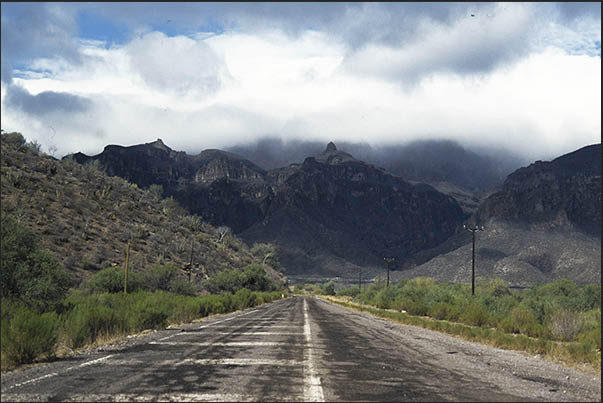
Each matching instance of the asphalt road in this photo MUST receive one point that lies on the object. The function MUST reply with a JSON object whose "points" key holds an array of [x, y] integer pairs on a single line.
{"points": [[298, 349]]}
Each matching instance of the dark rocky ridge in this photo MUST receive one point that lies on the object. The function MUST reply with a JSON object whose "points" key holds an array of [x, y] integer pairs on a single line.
{"points": [[560, 193], [544, 225], [330, 214]]}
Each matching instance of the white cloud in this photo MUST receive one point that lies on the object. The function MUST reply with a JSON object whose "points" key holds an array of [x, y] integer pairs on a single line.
{"points": [[214, 91]]}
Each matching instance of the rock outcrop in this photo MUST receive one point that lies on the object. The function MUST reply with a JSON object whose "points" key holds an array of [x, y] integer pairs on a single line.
{"points": [[565, 192], [332, 214]]}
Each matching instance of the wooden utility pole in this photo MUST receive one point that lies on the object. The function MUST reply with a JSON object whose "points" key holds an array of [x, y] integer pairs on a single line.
{"points": [[473, 230], [126, 269], [190, 266], [360, 280], [388, 260]]}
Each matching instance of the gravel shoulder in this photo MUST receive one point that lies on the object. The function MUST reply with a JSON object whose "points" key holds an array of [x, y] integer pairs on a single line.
{"points": [[529, 376]]}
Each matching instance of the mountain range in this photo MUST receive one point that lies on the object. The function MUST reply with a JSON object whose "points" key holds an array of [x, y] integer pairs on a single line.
{"points": [[332, 215]]}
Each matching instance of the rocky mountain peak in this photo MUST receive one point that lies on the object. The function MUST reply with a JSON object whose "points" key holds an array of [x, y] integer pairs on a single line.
{"points": [[160, 145], [333, 156]]}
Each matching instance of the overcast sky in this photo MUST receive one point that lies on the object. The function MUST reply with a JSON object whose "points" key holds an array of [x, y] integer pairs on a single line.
{"points": [[520, 76]]}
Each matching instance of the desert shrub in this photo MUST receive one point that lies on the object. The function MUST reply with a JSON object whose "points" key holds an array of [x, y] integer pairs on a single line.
{"points": [[253, 277], [475, 314], [329, 288], [158, 277], [26, 272], [590, 297], [13, 139], [349, 292], [211, 304], [497, 288], [111, 280], [244, 298], [385, 297], [90, 320], [417, 288], [225, 281], [418, 308], [28, 335], [182, 287], [443, 310], [564, 325], [522, 320], [256, 278]]}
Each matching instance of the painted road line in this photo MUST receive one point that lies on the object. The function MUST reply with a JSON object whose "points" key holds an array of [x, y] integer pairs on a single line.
{"points": [[224, 344], [212, 361], [211, 324], [312, 387], [143, 397], [240, 361], [57, 373], [32, 381], [255, 333], [251, 327]]}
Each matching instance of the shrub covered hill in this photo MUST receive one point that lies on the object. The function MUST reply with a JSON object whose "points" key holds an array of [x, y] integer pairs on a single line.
{"points": [[543, 225], [329, 216], [86, 219]]}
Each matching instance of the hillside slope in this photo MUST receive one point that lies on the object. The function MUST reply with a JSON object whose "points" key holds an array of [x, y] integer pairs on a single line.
{"points": [[86, 218]]}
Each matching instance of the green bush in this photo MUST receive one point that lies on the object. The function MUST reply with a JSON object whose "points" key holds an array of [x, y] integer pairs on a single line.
{"points": [[13, 139], [158, 277], [28, 335], [475, 314], [385, 298], [182, 287], [444, 311], [225, 281], [244, 298], [329, 288], [349, 292], [111, 280], [86, 322], [592, 337], [26, 272], [253, 277]]}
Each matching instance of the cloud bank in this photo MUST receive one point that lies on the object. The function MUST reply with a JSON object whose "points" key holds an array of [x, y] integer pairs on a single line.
{"points": [[520, 76]]}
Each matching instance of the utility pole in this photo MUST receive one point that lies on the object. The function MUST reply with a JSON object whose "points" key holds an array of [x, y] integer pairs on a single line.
{"points": [[388, 260], [190, 267], [473, 230], [126, 268], [360, 279]]}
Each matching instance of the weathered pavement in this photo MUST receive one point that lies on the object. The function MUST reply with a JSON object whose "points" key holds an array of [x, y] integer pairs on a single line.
{"points": [[300, 349]]}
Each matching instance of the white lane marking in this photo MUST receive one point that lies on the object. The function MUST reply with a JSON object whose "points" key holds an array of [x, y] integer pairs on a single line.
{"points": [[226, 344], [251, 327], [56, 373], [211, 324], [239, 361], [143, 397], [312, 387], [92, 362], [212, 361], [254, 333], [32, 380]]}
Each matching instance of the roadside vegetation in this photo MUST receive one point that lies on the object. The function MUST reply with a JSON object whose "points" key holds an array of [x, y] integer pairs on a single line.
{"points": [[64, 230], [560, 320]]}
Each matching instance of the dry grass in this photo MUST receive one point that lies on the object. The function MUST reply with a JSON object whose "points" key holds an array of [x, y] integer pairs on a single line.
{"points": [[552, 351]]}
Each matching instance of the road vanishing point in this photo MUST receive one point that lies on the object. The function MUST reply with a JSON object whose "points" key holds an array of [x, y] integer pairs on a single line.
{"points": [[299, 349]]}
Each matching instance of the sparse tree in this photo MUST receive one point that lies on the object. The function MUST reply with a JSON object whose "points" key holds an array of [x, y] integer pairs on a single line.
{"points": [[222, 232]]}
